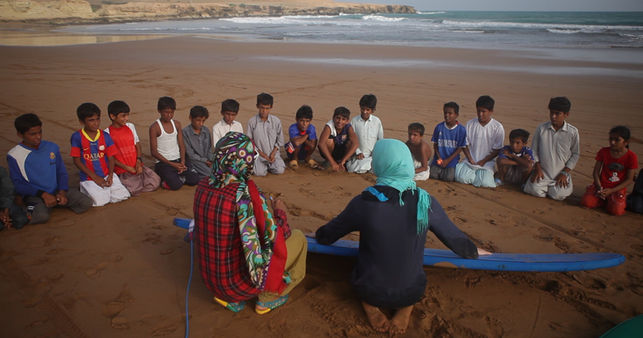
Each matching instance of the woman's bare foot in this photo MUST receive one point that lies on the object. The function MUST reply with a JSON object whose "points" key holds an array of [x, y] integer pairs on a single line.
{"points": [[378, 320], [400, 320]]}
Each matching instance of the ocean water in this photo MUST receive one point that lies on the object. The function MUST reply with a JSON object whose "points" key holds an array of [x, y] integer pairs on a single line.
{"points": [[506, 30], [612, 41]]}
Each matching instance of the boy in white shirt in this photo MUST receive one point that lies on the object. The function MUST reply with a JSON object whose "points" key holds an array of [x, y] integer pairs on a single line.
{"points": [[229, 111], [368, 128], [485, 138]]}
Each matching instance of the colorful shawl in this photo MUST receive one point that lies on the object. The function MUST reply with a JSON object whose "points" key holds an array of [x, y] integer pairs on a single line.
{"points": [[393, 166], [262, 241]]}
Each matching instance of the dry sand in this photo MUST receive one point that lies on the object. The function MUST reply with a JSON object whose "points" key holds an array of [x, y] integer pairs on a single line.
{"points": [[121, 270]]}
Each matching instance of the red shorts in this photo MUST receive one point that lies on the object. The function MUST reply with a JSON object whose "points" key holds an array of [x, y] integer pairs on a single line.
{"points": [[614, 203]]}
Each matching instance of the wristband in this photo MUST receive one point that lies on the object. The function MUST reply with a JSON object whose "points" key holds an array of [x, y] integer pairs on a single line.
{"points": [[565, 173]]}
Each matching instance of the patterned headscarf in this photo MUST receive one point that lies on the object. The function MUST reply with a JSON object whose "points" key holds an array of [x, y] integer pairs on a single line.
{"points": [[393, 166], [234, 159]]}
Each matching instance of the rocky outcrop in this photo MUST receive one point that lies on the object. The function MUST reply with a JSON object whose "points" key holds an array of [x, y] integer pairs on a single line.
{"points": [[80, 11], [21, 10]]}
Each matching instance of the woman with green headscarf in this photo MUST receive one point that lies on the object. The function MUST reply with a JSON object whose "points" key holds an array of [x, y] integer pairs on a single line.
{"points": [[245, 251], [393, 218]]}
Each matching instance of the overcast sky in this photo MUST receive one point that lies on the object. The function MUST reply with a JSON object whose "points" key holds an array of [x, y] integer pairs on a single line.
{"points": [[518, 5]]}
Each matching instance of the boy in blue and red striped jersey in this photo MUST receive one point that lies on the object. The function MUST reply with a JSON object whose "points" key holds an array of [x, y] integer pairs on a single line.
{"points": [[93, 153]]}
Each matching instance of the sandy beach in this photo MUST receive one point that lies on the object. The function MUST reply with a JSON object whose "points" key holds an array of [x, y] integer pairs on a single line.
{"points": [[121, 270]]}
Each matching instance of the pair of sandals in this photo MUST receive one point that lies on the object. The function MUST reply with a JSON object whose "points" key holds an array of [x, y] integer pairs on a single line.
{"points": [[311, 163], [261, 308]]}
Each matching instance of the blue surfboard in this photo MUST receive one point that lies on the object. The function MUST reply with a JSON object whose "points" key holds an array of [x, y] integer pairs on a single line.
{"points": [[496, 261]]}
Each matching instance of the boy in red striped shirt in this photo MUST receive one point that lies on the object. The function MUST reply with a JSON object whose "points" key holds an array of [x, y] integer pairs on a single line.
{"points": [[93, 154]]}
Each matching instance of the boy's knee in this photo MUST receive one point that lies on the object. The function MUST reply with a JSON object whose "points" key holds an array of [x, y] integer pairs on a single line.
{"points": [[174, 184], [40, 215], [534, 189], [558, 195], [260, 171], [635, 203], [18, 217], [192, 178]]}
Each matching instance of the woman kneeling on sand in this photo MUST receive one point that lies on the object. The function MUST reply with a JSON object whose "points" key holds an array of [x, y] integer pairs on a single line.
{"points": [[245, 251], [393, 218]]}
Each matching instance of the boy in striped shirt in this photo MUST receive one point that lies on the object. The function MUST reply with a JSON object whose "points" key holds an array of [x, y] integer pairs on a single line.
{"points": [[93, 154]]}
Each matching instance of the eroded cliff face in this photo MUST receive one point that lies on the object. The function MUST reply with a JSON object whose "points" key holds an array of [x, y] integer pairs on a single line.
{"points": [[21, 10], [81, 11]]}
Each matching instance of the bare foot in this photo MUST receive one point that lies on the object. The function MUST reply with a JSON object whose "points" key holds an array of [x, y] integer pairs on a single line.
{"points": [[378, 320], [400, 320]]}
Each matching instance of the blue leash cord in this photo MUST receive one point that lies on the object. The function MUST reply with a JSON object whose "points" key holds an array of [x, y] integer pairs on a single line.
{"points": [[187, 291]]}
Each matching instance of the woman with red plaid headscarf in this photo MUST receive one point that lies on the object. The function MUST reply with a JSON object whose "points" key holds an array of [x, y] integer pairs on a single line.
{"points": [[244, 249]]}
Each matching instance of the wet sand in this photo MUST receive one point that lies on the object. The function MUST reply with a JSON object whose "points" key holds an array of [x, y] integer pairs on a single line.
{"points": [[121, 270]]}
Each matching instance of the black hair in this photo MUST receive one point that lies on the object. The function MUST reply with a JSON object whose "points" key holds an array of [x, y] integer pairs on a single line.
{"points": [[25, 122], [265, 99], [521, 133], [86, 110], [416, 126], [117, 107], [621, 131], [166, 102], [230, 105], [199, 111], [453, 105], [560, 103], [485, 101], [342, 111], [304, 112], [368, 101]]}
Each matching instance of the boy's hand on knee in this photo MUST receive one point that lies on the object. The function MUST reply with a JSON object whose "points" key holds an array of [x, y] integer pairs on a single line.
{"points": [[538, 175], [561, 181], [5, 217], [61, 198], [101, 182], [49, 199]]}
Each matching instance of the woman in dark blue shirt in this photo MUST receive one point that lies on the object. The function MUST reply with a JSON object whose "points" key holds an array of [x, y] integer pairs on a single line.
{"points": [[393, 218]]}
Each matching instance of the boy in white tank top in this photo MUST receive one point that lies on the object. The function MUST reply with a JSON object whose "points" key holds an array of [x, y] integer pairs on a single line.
{"points": [[168, 149]]}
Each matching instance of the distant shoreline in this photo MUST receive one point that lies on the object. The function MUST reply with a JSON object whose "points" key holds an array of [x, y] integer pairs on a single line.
{"points": [[81, 12]]}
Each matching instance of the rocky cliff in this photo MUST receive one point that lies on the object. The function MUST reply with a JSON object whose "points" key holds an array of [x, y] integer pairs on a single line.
{"points": [[81, 11]]}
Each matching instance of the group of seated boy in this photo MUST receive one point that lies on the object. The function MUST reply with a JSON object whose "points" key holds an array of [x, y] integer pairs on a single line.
{"points": [[111, 168]]}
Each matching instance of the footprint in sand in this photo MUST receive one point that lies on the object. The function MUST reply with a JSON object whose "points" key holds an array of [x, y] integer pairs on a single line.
{"points": [[95, 271], [172, 211], [494, 327], [166, 251], [164, 330], [120, 323], [152, 237], [50, 240]]}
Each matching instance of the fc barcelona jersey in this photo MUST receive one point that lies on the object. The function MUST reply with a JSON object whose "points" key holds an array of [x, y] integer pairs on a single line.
{"points": [[92, 152]]}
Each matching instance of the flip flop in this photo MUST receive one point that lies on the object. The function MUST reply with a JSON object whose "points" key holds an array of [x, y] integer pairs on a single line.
{"points": [[269, 306], [234, 307], [293, 164]]}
